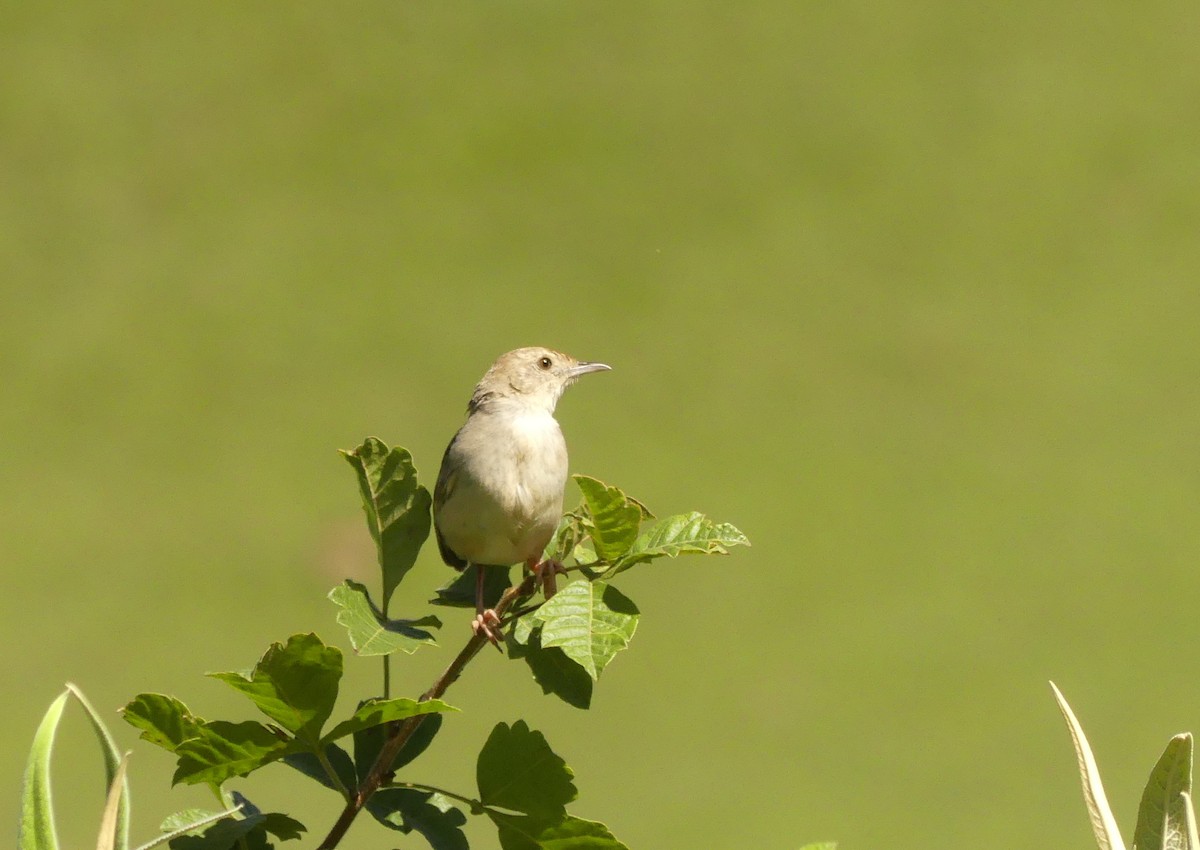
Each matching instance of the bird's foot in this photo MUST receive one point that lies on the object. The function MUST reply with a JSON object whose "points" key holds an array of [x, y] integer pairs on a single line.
{"points": [[487, 623], [546, 573]]}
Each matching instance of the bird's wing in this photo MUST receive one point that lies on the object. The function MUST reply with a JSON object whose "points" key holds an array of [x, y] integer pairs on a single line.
{"points": [[442, 491]]}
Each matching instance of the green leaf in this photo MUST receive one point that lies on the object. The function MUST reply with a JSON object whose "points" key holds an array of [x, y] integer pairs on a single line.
{"points": [[164, 720], [222, 750], [553, 670], [188, 821], [368, 742], [1162, 816], [1104, 824], [459, 592], [431, 815], [370, 632], [295, 684], [378, 712], [615, 517], [518, 771], [113, 761], [36, 829], [397, 507], [249, 831], [310, 765], [691, 533], [110, 837], [590, 621], [518, 832]]}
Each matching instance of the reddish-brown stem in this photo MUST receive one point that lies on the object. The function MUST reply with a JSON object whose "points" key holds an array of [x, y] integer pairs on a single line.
{"points": [[401, 731]]}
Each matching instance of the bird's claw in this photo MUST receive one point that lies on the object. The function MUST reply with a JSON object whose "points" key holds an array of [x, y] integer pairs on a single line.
{"points": [[545, 574], [487, 624]]}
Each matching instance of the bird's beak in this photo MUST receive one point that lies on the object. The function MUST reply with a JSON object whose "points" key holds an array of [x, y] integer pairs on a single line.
{"points": [[584, 368]]}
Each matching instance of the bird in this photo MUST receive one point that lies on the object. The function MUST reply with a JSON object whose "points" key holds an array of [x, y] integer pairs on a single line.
{"points": [[499, 493]]}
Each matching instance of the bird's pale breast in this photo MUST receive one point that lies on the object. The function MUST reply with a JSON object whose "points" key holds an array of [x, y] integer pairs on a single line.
{"points": [[505, 498]]}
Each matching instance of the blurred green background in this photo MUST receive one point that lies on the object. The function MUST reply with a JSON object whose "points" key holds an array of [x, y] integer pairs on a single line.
{"points": [[907, 291]]}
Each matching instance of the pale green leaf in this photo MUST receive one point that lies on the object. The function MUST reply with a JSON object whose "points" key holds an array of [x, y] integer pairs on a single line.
{"points": [[36, 829], [110, 817], [370, 632], [1104, 824], [1162, 815], [590, 621], [615, 518], [379, 712], [187, 822], [294, 683], [397, 507], [113, 760], [518, 771], [691, 533]]}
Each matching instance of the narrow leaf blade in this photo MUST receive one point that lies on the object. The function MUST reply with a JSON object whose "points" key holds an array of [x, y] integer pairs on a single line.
{"points": [[1104, 824], [110, 819], [113, 765], [36, 830]]}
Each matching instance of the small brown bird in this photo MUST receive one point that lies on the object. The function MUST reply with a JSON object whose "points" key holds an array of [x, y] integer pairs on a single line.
{"points": [[499, 493]]}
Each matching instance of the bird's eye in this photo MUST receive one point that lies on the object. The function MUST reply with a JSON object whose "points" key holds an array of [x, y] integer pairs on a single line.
{"points": [[545, 363]]}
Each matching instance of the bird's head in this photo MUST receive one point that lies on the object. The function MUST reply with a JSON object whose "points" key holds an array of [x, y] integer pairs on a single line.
{"points": [[532, 377]]}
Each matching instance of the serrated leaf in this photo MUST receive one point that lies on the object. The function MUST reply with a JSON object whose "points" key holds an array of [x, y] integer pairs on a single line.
{"points": [[590, 621], [309, 764], [397, 507], [615, 518], [379, 712], [691, 533], [294, 683], [370, 632], [517, 832], [518, 771], [164, 720], [36, 829], [222, 750], [1104, 825], [553, 670], [431, 815], [368, 742], [1162, 815], [459, 592]]}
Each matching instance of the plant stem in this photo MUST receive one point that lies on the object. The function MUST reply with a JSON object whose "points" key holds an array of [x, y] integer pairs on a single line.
{"points": [[400, 731], [476, 805]]}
